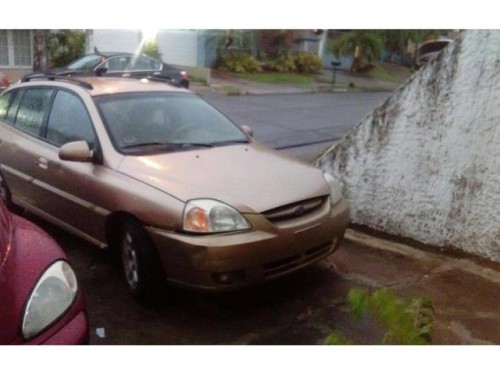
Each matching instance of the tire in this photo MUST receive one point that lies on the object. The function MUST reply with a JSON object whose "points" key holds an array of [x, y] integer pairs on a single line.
{"points": [[141, 263], [4, 192], [6, 196]]}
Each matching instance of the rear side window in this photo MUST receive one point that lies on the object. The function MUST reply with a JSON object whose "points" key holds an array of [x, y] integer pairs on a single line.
{"points": [[4, 104], [69, 120], [33, 108]]}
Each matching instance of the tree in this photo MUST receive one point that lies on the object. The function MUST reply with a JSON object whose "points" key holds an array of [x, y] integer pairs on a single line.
{"points": [[40, 52], [396, 41], [363, 45], [273, 42], [150, 48], [65, 46]]}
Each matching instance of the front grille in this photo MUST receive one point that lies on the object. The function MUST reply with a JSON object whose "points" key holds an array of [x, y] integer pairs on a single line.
{"points": [[283, 266], [294, 210]]}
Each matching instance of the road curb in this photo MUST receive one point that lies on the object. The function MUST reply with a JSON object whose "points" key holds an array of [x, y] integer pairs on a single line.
{"points": [[469, 265]]}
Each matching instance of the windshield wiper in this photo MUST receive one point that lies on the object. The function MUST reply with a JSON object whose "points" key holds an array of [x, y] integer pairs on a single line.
{"points": [[192, 144], [231, 142], [150, 144]]}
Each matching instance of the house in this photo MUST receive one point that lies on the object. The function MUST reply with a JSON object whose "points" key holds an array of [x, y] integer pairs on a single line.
{"points": [[16, 52], [194, 50]]}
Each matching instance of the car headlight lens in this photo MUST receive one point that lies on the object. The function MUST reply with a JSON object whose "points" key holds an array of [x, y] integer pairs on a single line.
{"points": [[209, 216], [335, 187], [53, 295]]}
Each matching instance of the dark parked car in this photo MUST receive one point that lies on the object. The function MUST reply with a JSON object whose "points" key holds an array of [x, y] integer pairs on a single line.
{"points": [[121, 64], [40, 299]]}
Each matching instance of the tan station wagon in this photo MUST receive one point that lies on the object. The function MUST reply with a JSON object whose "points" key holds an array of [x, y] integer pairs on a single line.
{"points": [[155, 171]]}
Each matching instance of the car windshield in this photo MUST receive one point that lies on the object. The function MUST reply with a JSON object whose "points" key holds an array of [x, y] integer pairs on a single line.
{"points": [[142, 123], [86, 62]]}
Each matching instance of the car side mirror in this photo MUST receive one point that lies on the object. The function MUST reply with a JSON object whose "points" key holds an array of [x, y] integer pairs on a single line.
{"points": [[76, 151], [248, 130], [101, 71]]}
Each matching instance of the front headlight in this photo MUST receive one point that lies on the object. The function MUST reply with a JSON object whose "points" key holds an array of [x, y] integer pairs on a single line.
{"points": [[335, 187], [53, 295], [210, 216]]}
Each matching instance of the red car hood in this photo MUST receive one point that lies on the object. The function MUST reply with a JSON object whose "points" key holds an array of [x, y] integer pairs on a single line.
{"points": [[250, 177], [24, 258]]}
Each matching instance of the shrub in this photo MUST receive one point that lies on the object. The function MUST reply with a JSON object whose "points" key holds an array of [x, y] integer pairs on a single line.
{"points": [[238, 63], [308, 63], [406, 321], [65, 46], [284, 64], [150, 48]]}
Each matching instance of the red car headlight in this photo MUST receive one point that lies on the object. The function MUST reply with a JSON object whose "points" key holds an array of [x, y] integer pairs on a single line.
{"points": [[53, 294]]}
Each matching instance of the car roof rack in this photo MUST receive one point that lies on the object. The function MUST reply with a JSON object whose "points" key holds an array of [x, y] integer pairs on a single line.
{"points": [[53, 77]]}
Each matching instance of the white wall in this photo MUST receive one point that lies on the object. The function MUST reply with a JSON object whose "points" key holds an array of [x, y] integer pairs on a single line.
{"points": [[426, 164], [118, 40], [179, 47]]}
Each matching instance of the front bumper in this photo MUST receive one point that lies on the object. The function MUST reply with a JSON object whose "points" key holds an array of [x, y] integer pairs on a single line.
{"points": [[223, 262]]}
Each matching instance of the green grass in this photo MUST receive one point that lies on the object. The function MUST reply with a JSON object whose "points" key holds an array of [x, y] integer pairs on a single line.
{"points": [[277, 78], [379, 72]]}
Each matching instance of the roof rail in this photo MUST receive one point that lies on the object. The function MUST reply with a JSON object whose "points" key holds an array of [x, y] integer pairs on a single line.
{"points": [[53, 77]]}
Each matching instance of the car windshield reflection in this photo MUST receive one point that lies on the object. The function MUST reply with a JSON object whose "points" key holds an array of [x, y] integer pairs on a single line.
{"points": [[141, 123]]}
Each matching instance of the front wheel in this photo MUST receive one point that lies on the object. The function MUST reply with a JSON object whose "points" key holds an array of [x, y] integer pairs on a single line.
{"points": [[141, 263]]}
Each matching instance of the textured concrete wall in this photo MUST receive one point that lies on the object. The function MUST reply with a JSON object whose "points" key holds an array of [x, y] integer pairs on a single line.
{"points": [[426, 163]]}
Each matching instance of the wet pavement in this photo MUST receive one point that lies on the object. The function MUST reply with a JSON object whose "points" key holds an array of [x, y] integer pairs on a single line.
{"points": [[301, 309]]}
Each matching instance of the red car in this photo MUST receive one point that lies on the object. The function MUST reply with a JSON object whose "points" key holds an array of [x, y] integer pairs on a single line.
{"points": [[4, 81], [40, 299]]}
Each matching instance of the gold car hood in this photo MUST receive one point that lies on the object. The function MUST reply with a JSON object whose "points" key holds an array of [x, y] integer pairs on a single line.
{"points": [[249, 177]]}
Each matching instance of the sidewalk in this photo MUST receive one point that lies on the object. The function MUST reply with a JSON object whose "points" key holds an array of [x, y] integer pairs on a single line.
{"points": [[464, 289], [344, 82]]}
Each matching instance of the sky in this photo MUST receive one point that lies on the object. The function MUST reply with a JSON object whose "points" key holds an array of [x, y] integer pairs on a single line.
{"points": [[253, 14]]}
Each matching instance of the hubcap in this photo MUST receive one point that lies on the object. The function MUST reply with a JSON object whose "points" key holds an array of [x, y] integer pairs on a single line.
{"points": [[129, 258]]}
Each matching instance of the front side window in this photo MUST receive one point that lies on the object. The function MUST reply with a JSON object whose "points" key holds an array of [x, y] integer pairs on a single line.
{"points": [[69, 121], [33, 108]]}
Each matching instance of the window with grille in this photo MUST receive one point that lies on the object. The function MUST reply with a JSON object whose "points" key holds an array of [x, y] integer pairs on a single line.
{"points": [[22, 47], [4, 49]]}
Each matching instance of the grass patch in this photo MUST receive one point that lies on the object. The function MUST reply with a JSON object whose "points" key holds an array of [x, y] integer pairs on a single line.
{"points": [[378, 72], [277, 78]]}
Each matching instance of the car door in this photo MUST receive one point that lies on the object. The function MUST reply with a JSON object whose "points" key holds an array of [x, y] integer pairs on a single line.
{"points": [[143, 66], [38, 122], [21, 140], [115, 66], [70, 188]]}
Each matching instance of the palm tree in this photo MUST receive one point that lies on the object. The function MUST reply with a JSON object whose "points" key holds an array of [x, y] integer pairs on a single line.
{"points": [[363, 45], [40, 52]]}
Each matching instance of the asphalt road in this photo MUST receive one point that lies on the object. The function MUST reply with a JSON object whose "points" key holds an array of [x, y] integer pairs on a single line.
{"points": [[299, 124]]}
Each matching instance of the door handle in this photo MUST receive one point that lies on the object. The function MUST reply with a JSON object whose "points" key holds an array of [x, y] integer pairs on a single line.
{"points": [[43, 163]]}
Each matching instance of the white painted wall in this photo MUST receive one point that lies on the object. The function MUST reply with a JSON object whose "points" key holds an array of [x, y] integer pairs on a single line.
{"points": [[426, 164], [116, 40], [179, 47]]}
